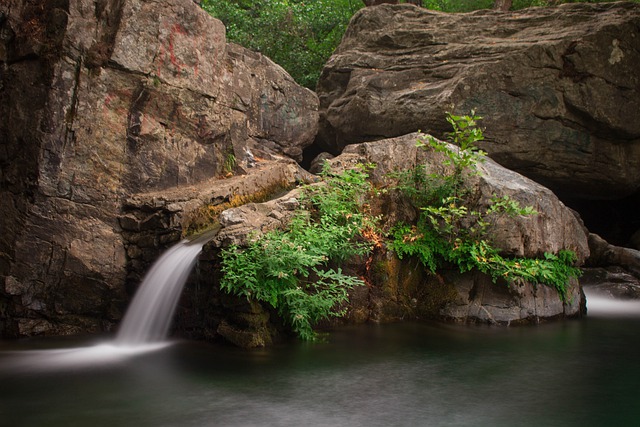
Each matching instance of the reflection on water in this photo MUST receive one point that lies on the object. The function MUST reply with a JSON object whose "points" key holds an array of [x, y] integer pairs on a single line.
{"points": [[573, 373]]}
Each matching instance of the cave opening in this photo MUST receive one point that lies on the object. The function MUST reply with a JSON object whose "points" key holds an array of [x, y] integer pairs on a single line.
{"points": [[617, 221]]}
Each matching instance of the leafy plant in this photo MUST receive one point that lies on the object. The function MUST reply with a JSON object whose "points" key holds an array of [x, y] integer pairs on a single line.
{"points": [[448, 231], [293, 270], [229, 164]]}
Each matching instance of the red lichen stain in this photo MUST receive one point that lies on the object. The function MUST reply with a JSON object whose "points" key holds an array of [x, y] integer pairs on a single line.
{"points": [[168, 48], [107, 100], [175, 29]]}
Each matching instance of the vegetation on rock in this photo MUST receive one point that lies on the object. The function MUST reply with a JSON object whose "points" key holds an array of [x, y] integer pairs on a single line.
{"points": [[297, 271], [448, 230], [293, 270]]}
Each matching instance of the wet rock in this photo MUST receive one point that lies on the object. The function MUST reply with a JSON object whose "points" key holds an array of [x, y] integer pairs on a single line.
{"points": [[613, 282], [104, 102], [479, 300]]}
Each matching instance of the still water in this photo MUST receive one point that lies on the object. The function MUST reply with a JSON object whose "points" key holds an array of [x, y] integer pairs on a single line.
{"points": [[572, 373]]}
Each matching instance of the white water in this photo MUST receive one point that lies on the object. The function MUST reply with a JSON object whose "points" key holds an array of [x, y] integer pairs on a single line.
{"points": [[145, 324], [603, 305], [75, 358], [149, 316]]}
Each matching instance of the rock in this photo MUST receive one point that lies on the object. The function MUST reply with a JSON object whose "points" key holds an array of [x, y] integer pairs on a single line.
{"points": [[318, 162], [243, 338], [102, 103], [558, 87], [403, 289], [613, 282], [604, 254], [252, 220], [479, 300], [247, 326], [473, 297], [554, 228]]}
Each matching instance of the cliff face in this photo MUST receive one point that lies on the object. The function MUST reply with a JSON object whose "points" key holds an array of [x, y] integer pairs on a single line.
{"points": [[103, 100], [125, 122], [558, 88]]}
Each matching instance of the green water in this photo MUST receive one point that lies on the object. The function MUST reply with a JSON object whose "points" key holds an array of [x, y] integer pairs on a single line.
{"points": [[572, 373]]}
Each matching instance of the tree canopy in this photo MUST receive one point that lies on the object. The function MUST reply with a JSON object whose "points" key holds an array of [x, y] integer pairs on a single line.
{"points": [[301, 35], [298, 35]]}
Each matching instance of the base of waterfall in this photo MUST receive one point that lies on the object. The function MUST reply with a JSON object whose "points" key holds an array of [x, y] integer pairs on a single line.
{"points": [[98, 355]]}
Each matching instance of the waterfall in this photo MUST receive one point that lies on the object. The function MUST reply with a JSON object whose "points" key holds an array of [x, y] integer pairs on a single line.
{"points": [[145, 324], [149, 315]]}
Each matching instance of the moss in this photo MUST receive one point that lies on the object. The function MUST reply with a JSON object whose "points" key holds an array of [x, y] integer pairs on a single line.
{"points": [[206, 216], [434, 295]]}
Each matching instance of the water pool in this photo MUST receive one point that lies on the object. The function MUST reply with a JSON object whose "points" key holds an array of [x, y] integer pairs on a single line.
{"points": [[572, 373]]}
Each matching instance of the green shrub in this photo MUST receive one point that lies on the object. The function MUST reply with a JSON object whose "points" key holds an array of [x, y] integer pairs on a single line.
{"points": [[448, 231], [292, 270]]}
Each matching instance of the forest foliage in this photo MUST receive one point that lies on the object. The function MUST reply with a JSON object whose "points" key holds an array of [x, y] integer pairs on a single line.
{"points": [[301, 35]]}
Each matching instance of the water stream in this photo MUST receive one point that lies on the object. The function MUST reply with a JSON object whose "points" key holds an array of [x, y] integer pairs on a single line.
{"points": [[578, 373], [146, 322], [149, 315]]}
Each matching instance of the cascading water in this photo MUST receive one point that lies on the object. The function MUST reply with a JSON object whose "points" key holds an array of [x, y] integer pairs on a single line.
{"points": [[149, 316], [146, 322]]}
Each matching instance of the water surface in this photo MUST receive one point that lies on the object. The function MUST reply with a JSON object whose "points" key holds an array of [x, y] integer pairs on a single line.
{"points": [[572, 373]]}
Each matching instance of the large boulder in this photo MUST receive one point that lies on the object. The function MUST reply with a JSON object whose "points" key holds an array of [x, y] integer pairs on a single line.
{"points": [[101, 101], [558, 87], [472, 297], [403, 289]]}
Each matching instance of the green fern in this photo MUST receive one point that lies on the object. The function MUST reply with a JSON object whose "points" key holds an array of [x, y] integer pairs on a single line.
{"points": [[291, 269]]}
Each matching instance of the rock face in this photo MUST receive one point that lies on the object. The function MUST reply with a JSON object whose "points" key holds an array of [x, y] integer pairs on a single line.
{"points": [[558, 87], [604, 254], [402, 289], [101, 101], [613, 282]]}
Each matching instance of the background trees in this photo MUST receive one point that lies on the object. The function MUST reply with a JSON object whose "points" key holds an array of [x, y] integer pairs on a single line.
{"points": [[300, 35]]}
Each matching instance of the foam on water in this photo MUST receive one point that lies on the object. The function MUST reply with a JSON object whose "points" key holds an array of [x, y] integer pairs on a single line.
{"points": [[603, 305]]}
